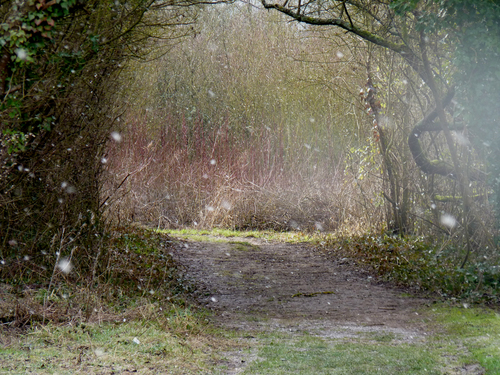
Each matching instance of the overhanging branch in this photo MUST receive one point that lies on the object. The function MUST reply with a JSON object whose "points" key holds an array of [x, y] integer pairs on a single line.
{"points": [[423, 162], [400, 48]]}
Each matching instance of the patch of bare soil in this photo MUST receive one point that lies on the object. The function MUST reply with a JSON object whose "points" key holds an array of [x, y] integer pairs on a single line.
{"points": [[292, 282], [295, 288]]}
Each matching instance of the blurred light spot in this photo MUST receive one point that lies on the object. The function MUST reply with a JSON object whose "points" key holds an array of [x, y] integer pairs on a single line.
{"points": [[65, 265], [12, 242], [70, 189], [211, 93], [213, 299], [460, 138], [117, 137], [226, 205], [210, 208], [21, 53], [136, 341], [319, 226], [339, 54], [448, 221], [213, 162]]}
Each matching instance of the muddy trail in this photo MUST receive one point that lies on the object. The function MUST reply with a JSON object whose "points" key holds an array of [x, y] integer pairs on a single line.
{"points": [[252, 283]]}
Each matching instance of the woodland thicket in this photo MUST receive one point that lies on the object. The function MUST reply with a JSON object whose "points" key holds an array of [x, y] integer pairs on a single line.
{"points": [[62, 64], [376, 117]]}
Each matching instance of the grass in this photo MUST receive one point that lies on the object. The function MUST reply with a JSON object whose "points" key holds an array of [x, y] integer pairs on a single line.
{"points": [[243, 246], [462, 338], [182, 341], [131, 329], [478, 329], [222, 235], [176, 342], [135, 316], [314, 355]]}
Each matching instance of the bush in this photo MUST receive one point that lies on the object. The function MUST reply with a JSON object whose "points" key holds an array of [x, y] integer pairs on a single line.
{"points": [[421, 265]]}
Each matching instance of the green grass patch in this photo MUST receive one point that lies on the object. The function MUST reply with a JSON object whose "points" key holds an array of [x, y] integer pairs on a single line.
{"points": [[222, 235], [132, 317], [243, 246], [313, 355], [478, 329], [174, 342]]}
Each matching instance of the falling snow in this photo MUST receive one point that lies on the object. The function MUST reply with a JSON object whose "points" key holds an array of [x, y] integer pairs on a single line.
{"points": [[448, 221], [65, 265], [117, 137], [21, 54], [226, 205]]}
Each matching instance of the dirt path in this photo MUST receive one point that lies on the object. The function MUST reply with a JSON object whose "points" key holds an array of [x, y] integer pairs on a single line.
{"points": [[295, 285], [258, 286]]}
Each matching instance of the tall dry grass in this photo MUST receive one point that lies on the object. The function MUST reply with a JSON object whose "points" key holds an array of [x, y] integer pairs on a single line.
{"points": [[190, 173]]}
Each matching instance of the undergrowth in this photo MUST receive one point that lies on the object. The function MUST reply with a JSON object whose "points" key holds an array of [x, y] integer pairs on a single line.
{"points": [[420, 264], [134, 314], [135, 269]]}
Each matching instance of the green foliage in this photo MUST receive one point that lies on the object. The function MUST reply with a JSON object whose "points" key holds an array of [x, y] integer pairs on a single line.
{"points": [[139, 263], [364, 158], [420, 264], [15, 141]]}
